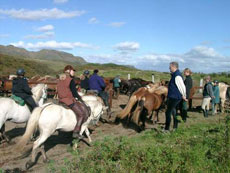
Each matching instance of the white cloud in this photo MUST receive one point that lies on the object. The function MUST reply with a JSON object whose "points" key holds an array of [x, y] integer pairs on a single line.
{"points": [[45, 28], [93, 20], [60, 1], [42, 14], [127, 46], [198, 59], [45, 35], [54, 45], [117, 24]]}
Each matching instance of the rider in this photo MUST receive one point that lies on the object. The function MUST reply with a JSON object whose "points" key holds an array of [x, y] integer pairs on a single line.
{"points": [[67, 94], [85, 81], [22, 89], [97, 83]]}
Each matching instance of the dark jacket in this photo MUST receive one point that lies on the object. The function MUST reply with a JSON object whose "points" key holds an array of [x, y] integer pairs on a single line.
{"points": [[85, 83], [188, 85], [208, 90], [21, 88], [173, 91], [96, 82]]}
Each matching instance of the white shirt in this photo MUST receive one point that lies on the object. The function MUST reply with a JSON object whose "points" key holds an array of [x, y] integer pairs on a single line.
{"points": [[180, 85]]}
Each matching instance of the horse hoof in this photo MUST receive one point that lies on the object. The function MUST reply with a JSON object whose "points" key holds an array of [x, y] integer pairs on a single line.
{"points": [[46, 160], [29, 164]]}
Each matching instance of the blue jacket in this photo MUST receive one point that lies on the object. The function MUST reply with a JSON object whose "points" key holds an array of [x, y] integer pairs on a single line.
{"points": [[116, 82], [173, 91], [96, 83], [216, 92]]}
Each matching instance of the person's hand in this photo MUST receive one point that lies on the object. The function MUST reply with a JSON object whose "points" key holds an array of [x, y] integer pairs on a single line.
{"points": [[184, 98]]}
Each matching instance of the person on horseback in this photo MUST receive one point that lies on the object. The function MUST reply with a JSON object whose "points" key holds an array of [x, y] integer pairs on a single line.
{"points": [[85, 81], [21, 89], [98, 84], [67, 94]]}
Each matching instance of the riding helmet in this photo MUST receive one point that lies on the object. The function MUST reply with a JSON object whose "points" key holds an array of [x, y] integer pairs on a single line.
{"points": [[86, 72], [20, 72]]}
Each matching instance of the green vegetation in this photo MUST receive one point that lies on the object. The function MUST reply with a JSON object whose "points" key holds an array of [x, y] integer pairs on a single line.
{"points": [[9, 65], [203, 147]]}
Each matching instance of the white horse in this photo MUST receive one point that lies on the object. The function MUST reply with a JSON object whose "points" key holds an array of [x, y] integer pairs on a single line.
{"points": [[10, 110], [223, 91], [51, 117]]}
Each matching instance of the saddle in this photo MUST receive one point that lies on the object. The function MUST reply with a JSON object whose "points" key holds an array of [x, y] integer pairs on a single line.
{"points": [[63, 105], [18, 100]]}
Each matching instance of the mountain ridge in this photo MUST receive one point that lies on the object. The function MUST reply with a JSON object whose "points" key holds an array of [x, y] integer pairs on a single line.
{"points": [[44, 54]]}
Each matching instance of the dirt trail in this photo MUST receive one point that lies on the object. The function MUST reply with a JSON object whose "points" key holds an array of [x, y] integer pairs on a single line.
{"points": [[57, 145]]}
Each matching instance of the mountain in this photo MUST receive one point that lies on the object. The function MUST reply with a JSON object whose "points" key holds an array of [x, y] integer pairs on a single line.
{"points": [[44, 54]]}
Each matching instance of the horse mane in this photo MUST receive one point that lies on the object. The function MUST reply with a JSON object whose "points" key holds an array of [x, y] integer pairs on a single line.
{"points": [[37, 91]]}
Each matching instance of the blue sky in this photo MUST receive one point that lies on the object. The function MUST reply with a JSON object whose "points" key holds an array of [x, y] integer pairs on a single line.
{"points": [[147, 34]]}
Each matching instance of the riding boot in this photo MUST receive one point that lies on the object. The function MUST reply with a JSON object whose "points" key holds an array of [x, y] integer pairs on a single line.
{"points": [[204, 113], [207, 112], [184, 113], [81, 114]]}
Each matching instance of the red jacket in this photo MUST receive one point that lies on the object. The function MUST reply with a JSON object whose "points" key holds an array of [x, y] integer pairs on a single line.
{"points": [[63, 89]]}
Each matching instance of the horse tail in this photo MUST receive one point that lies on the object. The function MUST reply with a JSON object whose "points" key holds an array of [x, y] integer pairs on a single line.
{"points": [[138, 110], [128, 107], [30, 128]]}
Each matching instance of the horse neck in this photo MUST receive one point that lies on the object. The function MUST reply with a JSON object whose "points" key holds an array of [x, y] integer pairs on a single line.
{"points": [[37, 93]]}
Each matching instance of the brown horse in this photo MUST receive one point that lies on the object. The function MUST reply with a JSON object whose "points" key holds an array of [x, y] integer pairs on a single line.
{"points": [[136, 96], [150, 102]]}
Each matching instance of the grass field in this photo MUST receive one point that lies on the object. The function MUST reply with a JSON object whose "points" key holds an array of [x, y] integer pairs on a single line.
{"points": [[200, 145]]}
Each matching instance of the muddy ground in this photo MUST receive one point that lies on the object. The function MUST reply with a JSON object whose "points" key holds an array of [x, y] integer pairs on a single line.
{"points": [[57, 145]]}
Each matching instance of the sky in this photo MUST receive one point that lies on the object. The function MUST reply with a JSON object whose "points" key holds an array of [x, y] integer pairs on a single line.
{"points": [[147, 34]]}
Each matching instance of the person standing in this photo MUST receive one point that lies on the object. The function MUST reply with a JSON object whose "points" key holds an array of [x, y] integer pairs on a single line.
{"points": [[207, 96], [21, 89], [216, 100], [188, 86], [116, 86], [67, 94], [176, 92]]}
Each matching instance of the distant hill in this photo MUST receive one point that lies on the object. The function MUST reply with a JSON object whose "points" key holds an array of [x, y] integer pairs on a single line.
{"points": [[41, 55], [10, 64]]}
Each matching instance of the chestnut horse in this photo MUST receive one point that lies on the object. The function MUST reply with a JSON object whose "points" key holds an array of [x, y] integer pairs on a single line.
{"points": [[150, 102], [136, 96]]}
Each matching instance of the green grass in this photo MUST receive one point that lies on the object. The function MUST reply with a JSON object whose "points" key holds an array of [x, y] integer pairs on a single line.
{"points": [[197, 147]]}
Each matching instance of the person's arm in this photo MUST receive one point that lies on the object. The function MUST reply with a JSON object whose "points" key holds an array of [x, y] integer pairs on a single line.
{"points": [[210, 91], [101, 83], [180, 85], [74, 90]]}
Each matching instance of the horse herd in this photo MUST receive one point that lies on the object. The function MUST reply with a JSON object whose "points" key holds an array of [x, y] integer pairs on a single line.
{"points": [[145, 99]]}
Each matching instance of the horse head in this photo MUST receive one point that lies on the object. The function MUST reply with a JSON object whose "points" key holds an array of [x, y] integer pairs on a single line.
{"points": [[39, 93]]}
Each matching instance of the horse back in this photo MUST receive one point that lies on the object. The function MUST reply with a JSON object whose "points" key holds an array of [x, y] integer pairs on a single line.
{"points": [[55, 117]]}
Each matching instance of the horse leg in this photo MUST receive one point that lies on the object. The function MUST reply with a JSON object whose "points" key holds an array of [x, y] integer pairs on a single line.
{"points": [[88, 134], [42, 150], [3, 134], [42, 138]]}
